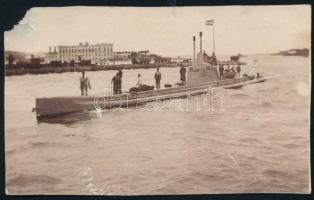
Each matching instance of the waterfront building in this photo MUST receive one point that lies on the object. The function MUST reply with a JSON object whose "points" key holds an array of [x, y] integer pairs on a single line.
{"points": [[126, 55], [143, 53], [122, 55], [95, 53]]}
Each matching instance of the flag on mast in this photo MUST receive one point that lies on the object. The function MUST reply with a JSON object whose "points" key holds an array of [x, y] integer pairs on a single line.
{"points": [[209, 22]]}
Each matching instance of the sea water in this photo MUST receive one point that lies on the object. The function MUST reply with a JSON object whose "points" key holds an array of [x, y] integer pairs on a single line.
{"points": [[255, 139]]}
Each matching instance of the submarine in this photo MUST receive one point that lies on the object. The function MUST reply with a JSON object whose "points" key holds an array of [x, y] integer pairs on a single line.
{"points": [[202, 74]]}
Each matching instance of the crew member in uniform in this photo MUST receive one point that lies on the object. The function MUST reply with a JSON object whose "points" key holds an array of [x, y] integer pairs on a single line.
{"points": [[182, 75], [221, 72], [84, 84], [120, 83], [116, 80], [157, 79], [238, 68]]}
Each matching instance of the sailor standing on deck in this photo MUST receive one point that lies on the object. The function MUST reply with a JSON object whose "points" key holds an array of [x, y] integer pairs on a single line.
{"points": [[120, 83], [157, 79], [221, 72], [182, 75], [238, 68], [84, 84], [116, 82], [139, 80]]}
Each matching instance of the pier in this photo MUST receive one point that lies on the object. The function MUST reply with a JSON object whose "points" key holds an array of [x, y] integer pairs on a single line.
{"points": [[54, 69]]}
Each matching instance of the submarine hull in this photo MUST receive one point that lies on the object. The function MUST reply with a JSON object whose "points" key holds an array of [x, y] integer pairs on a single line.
{"points": [[47, 108]]}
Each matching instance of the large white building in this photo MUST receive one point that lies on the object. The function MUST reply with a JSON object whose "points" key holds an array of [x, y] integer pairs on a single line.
{"points": [[95, 53]]}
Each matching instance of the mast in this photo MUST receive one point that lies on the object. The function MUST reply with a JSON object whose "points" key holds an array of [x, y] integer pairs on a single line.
{"points": [[214, 38], [193, 48], [200, 42]]}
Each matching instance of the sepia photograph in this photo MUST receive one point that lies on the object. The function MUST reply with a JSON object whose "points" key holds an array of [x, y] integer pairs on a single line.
{"points": [[102, 100]]}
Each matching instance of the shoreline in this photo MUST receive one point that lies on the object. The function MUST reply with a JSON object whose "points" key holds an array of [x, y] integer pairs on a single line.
{"points": [[57, 69]]}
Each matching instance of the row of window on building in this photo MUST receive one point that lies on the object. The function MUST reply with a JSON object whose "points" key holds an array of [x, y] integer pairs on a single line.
{"points": [[79, 50], [107, 54]]}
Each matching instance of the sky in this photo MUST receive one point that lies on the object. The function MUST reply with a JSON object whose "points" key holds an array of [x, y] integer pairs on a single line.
{"points": [[167, 31]]}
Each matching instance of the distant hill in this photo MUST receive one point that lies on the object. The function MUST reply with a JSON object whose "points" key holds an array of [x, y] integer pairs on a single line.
{"points": [[294, 52]]}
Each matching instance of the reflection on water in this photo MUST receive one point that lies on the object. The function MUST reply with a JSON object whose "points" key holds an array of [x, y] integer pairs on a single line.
{"points": [[259, 142]]}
